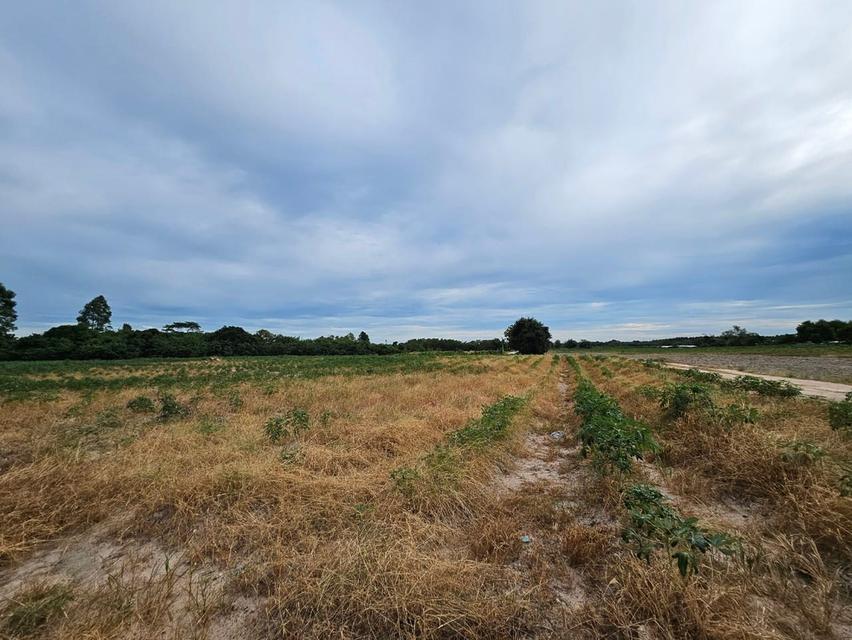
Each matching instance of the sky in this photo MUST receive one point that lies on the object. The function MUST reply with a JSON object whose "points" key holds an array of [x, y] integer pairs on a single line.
{"points": [[616, 169]]}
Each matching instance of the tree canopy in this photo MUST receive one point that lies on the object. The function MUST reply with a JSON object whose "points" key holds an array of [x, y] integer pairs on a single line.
{"points": [[8, 315], [528, 335], [95, 314]]}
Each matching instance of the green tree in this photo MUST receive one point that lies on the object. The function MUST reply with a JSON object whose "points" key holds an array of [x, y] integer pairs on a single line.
{"points": [[528, 335], [189, 327], [363, 337], [8, 315], [96, 314]]}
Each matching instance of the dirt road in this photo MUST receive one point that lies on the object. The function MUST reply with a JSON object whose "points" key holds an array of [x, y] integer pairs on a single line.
{"points": [[817, 388]]}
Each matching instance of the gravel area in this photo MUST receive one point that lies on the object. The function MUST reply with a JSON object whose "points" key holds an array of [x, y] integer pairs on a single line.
{"points": [[831, 369]]}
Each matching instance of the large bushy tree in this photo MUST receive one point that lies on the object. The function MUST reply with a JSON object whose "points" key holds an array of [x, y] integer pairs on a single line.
{"points": [[528, 335], [96, 314]]}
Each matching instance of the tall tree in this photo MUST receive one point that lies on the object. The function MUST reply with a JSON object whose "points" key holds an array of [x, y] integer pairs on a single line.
{"points": [[363, 337], [8, 315], [96, 314], [528, 335]]}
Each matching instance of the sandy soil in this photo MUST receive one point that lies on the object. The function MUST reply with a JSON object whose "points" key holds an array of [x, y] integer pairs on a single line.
{"points": [[828, 368]]}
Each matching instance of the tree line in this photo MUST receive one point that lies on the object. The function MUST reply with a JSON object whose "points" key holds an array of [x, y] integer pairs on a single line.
{"points": [[92, 337]]}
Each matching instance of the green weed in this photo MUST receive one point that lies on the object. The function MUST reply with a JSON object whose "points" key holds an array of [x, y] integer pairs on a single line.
{"points": [[30, 611], [779, 388], [654, 525], [291, 424], [141, 404], [171, 409]]}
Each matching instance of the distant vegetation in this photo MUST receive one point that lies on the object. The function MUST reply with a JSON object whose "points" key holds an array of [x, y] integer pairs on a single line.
{"points": [[93, 337]]}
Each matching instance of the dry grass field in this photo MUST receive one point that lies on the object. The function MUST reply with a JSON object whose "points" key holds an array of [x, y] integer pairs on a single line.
{"points": [[415, 496]]}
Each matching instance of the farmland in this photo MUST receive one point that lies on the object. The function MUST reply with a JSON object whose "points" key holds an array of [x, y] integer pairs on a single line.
{"points": [[419, 496]]}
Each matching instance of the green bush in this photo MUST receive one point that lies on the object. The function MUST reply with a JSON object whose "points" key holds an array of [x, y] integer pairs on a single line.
{"points": [[840, 415], [734, 414], [702, 376], [171, 409], [779, 388], [654, 525], [288, 425], [676, 398], [141, 404]]}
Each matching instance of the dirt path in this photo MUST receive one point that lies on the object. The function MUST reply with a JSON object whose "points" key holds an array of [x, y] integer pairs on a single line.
{"points": [[816, 388]]}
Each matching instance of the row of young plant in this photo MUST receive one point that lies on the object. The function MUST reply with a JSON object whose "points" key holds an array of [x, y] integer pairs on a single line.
{"points": [[613, 441], [761, 386], [440, 468]]}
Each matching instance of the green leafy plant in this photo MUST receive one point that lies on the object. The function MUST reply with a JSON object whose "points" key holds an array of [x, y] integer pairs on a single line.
{"points": [[676, 398], [708, 377], [734, 414], [764, 387], [171, 409], [801, 452], [840, 415], [654, 525], [611, 439], [141, 404], [491, 425], [405, 480], [288, 425]]}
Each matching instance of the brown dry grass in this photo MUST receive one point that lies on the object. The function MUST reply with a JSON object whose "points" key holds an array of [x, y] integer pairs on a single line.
{"points": [[325, 544], [797, 535]]}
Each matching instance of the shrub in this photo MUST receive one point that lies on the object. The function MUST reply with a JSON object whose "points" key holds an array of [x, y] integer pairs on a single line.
{"points": [[780, 388], [288, 425], [734, 414], [676, 398], [141, 404], [840, 415], [654, 525], [171, 409], [702, 376]]}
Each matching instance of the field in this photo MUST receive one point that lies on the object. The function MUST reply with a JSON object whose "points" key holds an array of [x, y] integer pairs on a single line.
{"points": [[416, 496]]}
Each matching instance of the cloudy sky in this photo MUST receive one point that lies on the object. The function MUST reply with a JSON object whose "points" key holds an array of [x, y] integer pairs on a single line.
{"points": [[616, 169]]}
